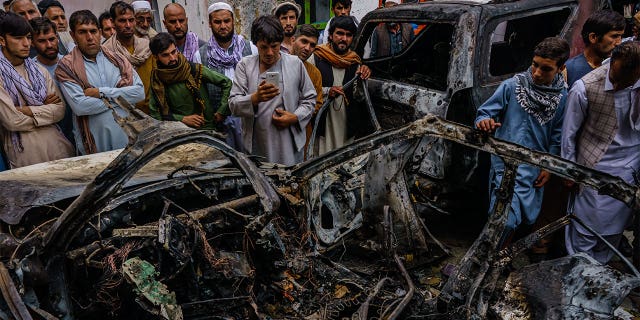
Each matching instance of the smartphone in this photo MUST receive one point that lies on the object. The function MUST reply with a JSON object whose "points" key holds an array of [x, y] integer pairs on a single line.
{"points": [[273, 78]]}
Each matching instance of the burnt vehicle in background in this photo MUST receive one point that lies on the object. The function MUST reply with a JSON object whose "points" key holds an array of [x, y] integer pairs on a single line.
{"points": [[461, 51], [180, 226]]}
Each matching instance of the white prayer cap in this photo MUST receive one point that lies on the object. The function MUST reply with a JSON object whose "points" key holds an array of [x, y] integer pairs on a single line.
{"points": [[220, 6], [141, 6]]}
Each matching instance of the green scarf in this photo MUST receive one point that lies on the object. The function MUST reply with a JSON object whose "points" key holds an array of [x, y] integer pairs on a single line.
{"points": [[182, 72]]}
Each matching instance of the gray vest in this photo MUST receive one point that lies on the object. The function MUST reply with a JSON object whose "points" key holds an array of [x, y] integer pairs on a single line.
{"points": [[601, 124], [215, 92]]}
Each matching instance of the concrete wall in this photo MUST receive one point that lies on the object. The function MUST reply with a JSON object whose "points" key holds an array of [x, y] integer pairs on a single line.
{"points": [[245, 11]]}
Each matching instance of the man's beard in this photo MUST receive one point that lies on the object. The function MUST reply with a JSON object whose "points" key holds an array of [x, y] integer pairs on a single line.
{"points": [[142, 31], [49, 56], [184, 35], [167, 66], [225, 39], [337, 49], [290, 33]]}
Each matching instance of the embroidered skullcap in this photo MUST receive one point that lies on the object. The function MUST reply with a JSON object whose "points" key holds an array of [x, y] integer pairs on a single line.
{"points": [[141, 6], [220, 6]]}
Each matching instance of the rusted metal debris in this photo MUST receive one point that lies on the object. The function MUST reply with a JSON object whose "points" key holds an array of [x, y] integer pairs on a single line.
{"points": [[337, 236]]}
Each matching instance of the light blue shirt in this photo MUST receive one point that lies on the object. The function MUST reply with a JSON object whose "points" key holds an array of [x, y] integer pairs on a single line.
{"points": [[606, 215], [623, 151], [518, 126], [103, 75]]}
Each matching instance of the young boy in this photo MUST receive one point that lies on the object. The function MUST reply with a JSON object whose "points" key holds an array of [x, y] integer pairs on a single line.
{"points": [[528, 109]]}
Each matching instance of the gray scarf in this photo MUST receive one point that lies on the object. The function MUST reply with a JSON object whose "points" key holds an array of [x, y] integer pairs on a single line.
{"points": [[539, 101]]}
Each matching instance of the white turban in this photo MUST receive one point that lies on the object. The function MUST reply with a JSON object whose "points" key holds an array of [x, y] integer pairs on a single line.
{"points": [[141, 6], [219, 6]]}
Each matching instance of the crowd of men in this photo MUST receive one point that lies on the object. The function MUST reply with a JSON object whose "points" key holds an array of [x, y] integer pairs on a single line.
{"points": [[60, 78], [591, 118], [59, 82]]}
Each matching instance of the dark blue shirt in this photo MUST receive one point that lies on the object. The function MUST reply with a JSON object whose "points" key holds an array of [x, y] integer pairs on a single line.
{"points": [[577, 67]]}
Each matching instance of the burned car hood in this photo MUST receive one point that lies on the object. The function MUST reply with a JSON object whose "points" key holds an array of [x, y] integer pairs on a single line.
{"points": [[49, 182]]}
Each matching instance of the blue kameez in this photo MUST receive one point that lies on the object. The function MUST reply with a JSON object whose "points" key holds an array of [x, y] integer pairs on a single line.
{"points": [[520, 127]]}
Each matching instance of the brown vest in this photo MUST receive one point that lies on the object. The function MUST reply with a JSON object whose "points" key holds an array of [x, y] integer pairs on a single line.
{"points": [[601, 124], [384, 40]]}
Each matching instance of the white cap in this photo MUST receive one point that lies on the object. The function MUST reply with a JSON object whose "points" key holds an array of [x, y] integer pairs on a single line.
{"points": [[141, 6], [220, 6]]}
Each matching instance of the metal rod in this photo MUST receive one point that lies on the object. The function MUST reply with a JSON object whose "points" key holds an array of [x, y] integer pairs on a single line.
{"points": [[613, 248], [396, 312], [372, 114], [324, 107], [363, 311]]}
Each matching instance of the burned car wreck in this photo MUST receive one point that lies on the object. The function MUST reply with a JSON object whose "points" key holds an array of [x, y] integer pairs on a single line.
{"points": [[338, 236], [180, 226]]}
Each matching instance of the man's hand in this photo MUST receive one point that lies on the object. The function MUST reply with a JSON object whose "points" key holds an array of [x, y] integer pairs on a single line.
{"points": [[568, 183], [364, 72], [266, 91], [26, 111], [193, 121], [92, 92], [218, 117], [283, 119], [52, 98], [542, 178], [335, 91], [488, 125]]}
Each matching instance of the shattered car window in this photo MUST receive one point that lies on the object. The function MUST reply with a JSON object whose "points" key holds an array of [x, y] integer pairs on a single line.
{"points": [[513, 40], [423, 62]]}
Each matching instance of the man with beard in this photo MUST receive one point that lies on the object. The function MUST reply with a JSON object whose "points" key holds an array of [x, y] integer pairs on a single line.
{"points": [[144, 19], [304, 44], [177, 24], [601, 130], [30, 103], [601, 33], [45, 42], [338, 64], [106, 26], [178, 87], [273, 116], [90, 73], [288, 13], [527, 109], [221, 54], [340, 8], [54, 11], [390, 38], [135, 49]]}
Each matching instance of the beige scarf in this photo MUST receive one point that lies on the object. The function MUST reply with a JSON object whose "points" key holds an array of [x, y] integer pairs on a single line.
{"points": [[71, 69], [325, 52], [141, 51]]}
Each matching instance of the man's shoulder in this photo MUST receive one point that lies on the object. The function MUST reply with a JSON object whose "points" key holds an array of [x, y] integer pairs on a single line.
{"points": [[576, 58], [597, 75], [312, 70]]}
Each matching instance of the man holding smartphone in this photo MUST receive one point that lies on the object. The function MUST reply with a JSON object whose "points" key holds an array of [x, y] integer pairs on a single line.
{"points": [[273, 116]]}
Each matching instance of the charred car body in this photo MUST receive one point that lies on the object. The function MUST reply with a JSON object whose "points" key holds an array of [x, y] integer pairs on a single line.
{"points": [[179, 225], [461, 52]]}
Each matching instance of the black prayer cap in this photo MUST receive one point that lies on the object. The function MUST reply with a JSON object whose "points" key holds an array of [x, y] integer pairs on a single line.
{"points": [[46, 4]]}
